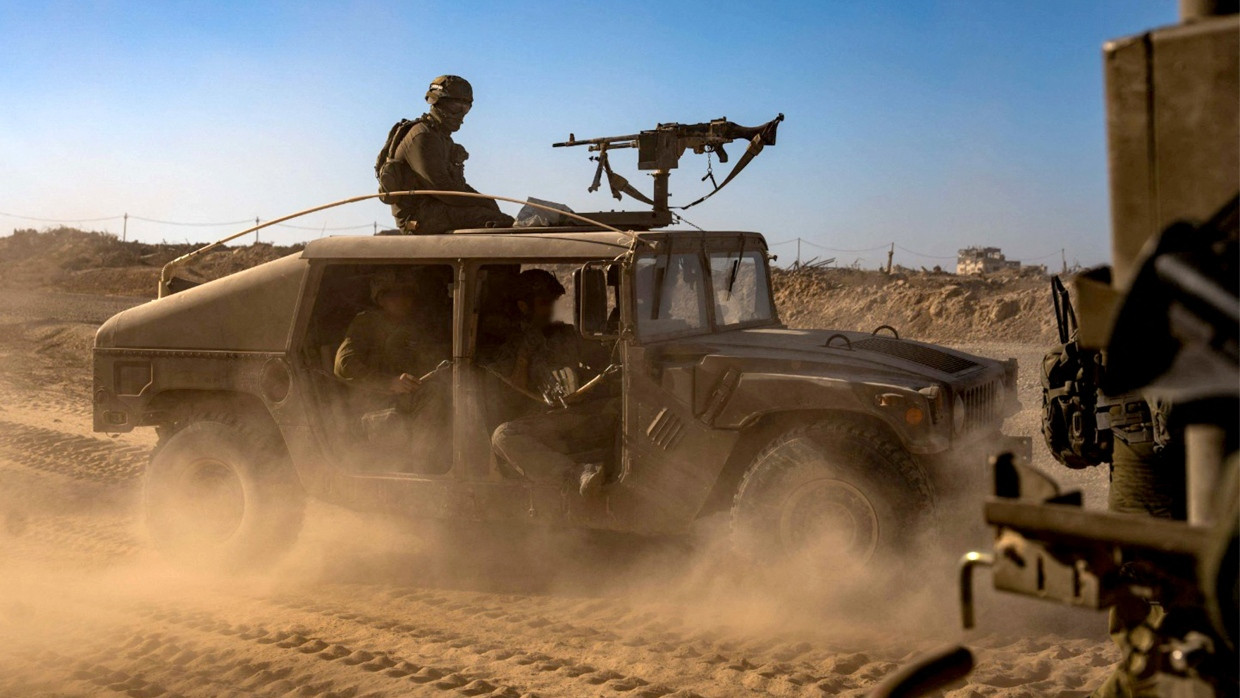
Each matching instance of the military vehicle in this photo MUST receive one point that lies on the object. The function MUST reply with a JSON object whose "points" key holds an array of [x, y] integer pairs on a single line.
{"points": [[807, 437]]}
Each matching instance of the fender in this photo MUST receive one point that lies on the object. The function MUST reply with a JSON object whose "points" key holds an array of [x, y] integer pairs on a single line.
{"points": [[759, 394]]}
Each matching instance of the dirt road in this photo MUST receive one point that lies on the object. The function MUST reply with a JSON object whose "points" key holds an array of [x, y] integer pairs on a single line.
{"points": [[366, 607]]}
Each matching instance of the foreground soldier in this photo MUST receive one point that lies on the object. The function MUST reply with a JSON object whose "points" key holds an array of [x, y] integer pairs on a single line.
{"points": [[544, 357], [420, 154]]}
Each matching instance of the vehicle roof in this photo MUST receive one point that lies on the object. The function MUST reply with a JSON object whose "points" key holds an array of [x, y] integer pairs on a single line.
{"points": [[519, 243]]}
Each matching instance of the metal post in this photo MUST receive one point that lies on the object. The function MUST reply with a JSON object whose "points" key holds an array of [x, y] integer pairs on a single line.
{"points": [[1205, 450], [125, 229], [660, 190]]}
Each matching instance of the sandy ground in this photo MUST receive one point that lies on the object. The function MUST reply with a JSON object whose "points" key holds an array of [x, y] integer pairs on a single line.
{"points": [[368, 607]]}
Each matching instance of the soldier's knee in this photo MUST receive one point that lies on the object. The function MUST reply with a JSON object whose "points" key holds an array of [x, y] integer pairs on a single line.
{"points": [[501, 432], [504, 436]]}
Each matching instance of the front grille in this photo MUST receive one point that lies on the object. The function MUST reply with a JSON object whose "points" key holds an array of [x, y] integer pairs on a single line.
{"points": [[926, 356], [982, 405]]}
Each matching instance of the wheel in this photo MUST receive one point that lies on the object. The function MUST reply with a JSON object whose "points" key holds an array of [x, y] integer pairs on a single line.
{"points": [[220, 496], [835, 494]]}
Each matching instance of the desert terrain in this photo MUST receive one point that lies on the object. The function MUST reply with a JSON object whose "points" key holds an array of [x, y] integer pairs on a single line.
{"points": [[366, 606]]}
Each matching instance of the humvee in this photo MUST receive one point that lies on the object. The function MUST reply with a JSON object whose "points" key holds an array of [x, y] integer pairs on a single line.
{"points": [[800, 436]]}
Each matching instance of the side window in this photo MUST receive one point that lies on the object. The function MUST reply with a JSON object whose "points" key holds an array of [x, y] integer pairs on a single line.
{"points": [[671, 295], [742, 293], [347, 291]]}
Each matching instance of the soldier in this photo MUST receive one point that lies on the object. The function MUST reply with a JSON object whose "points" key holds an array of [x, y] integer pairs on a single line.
{"points": [[544, 356], [384, 353], [420, 154]]}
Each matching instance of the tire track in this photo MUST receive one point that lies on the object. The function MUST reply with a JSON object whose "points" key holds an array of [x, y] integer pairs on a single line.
{"points": [[764, 660], [81, 539], [71, 455], [490, 651], [389, 664]]}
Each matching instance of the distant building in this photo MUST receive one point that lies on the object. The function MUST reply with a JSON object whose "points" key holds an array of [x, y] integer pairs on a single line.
{"points": [[983, 260]]}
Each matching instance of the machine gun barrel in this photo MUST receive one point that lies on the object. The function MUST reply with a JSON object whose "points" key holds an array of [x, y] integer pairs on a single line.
{"points": [[629, 141]]}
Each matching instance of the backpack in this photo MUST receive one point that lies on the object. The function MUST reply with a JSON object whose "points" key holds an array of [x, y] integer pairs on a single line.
{"points": [[394, 175]]}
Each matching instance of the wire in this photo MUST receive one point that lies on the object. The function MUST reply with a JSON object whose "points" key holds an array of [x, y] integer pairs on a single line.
{"points": [[1052, 254], [682, 219], [311, 227], [62, 220], [927, 256], [194, 225], [837, 249]]}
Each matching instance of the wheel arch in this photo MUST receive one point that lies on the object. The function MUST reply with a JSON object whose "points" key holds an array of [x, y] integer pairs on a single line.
{"points": [[759, 434], [170, 410]]}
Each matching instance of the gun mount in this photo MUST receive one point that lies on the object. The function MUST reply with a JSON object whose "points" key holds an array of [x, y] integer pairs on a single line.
{"points": [[659, 151]]}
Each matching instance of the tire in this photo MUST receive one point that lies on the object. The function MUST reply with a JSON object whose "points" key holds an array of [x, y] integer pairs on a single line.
{"points": [[836, 494], [218, 495]]}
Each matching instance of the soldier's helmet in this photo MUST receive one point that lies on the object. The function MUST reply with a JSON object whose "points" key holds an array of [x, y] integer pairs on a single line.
{"points": [[450, 87]]}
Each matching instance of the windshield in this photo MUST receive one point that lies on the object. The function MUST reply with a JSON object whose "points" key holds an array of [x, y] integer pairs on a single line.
{"points": [[673, 294], [742, 294]]}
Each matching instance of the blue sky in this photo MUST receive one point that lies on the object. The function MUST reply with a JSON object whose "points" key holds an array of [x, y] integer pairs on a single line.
{"points": [[933, 124]]}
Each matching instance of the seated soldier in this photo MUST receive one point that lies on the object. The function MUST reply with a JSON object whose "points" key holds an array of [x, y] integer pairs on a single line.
{"points": [[544, 358], [387, 351]]}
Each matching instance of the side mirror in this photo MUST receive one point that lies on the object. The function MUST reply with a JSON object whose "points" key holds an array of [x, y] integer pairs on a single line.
{"points": [[594, 319]]}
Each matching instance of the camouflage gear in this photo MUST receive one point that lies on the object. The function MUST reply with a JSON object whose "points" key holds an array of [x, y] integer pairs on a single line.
{"points": [[377, 349], [427, 158], [552, 354], [542, 446]]}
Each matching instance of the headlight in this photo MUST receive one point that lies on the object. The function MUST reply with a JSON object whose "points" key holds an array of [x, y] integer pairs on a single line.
{"points": [[958, 415]]}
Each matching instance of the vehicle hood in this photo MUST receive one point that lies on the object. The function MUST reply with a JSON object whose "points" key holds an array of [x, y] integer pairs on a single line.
{"points": [[780, 349]]}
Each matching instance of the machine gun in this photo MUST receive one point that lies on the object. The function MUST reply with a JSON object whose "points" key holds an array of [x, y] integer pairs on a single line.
{"points": [[659, 151]]}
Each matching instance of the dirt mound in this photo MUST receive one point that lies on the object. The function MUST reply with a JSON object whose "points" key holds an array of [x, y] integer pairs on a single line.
{"points": [[930, 306], [90, 262]]}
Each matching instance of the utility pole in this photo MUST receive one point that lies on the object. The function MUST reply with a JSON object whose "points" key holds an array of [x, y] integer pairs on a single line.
{"points": [[376, 226], [125, 228], [798, 265], [256, 232], [891, 253], [1063, 255]]}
